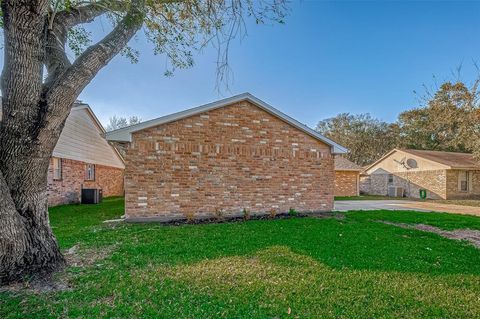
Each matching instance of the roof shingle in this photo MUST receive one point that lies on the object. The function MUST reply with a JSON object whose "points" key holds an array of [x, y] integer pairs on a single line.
{"points": [[452, 159], [343, 164]]}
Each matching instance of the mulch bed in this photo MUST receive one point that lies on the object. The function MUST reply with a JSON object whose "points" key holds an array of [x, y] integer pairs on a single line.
{"points": [[252, 216]]}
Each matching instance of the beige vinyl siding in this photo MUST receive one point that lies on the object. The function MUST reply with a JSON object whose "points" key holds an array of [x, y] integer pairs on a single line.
{"points": [[82, 140], [390, 164]]}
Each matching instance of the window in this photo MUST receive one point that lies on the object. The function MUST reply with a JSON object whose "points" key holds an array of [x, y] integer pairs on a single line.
{"points": [[90, 172], [390, 178], [57, 169], [464, 181]]}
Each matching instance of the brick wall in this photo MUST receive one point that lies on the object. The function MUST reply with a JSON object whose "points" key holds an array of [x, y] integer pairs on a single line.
{"points": [[434, 181], [452, 185], [374, 184], [346, 183], [229, 159], [68, 190]]}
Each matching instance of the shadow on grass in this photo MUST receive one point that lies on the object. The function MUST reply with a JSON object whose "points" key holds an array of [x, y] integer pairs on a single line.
{"points": [[356, 242]]}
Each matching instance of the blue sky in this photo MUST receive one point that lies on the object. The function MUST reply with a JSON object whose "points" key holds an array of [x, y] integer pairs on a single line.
{"points": [[329, 57]]}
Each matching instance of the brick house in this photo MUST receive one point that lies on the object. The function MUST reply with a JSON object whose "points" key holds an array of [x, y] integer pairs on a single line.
{"points": [[347, 177], [83, 158], [223, 157], [444, 175]]}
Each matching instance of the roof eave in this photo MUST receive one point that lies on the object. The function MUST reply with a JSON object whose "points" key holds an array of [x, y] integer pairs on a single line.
{"points": [[339, 150], [470, 168], [125, 134]]}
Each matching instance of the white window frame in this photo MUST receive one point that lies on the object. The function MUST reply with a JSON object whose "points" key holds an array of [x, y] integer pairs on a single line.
{"points": [[90, 172], [57, 165]]}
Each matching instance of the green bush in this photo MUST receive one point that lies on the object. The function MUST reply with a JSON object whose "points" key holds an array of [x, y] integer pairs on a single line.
{"points": [[292, 212]]}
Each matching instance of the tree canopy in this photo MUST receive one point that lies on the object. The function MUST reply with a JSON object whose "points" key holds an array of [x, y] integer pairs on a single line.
{"points": [[41, 80], [366, 138], [117, 122], [449, 121], [176, 28]]}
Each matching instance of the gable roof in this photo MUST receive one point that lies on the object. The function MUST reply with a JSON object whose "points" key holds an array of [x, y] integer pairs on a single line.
{"points": [[451, 160], [343, 164], [82, 139], [454, 160], [125, 134]]}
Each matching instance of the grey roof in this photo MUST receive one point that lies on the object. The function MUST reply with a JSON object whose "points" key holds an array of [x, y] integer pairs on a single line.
{"points": [[125, 134]]}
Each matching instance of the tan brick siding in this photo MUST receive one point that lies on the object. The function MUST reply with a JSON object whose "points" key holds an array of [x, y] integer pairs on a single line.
{"points": [[433, 181], [232, 158], [346, 183], [68, 189], [452, 185]]}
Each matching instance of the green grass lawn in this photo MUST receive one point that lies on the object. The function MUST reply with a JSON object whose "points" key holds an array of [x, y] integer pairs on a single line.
{"points": [[300, 268]]}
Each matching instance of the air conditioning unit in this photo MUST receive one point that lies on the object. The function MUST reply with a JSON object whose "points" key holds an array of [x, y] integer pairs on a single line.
{"points": [[395, 191], [91, 196]]}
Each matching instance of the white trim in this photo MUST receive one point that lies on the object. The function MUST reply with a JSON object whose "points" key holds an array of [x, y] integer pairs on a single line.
{"points": [[125, 134], [82, 106]]}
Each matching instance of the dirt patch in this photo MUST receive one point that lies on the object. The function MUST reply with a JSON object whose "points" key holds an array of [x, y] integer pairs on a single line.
{"points": [[78, 257], [339, 216], [470, 235], [38, 286], [60, 281]]}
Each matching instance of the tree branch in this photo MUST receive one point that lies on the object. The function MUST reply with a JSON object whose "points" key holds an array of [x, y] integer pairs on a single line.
{"points": [[83, 14], [60, 22], [56, 60], [65, 88], [59, 25]]}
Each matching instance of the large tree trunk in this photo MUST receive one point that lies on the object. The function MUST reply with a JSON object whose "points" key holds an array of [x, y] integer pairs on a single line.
{"points": [[28, 247], [34, 113], [27, 244]]}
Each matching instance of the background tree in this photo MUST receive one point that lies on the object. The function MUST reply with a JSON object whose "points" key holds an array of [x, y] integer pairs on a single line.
{"points": [[116, 122], [448, 122], [36, 105], [367, 138]]}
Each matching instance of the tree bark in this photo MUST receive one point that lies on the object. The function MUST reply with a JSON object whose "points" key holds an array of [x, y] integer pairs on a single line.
{"points": [[27, 245], [34, 113]]}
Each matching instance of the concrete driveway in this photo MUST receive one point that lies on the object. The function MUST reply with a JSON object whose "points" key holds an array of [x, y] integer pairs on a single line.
{"points": [[347, 205]]}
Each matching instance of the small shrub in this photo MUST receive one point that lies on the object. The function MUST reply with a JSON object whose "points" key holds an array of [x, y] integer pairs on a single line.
{"points": [[292, 212], [190, 216], [273, 213], [219, 214], [246, 214]]}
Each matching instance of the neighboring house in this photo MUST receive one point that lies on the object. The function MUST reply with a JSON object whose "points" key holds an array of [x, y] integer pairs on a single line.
{"points": [[347, 177], [83, 158], [444, 175], [225, 157]]}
